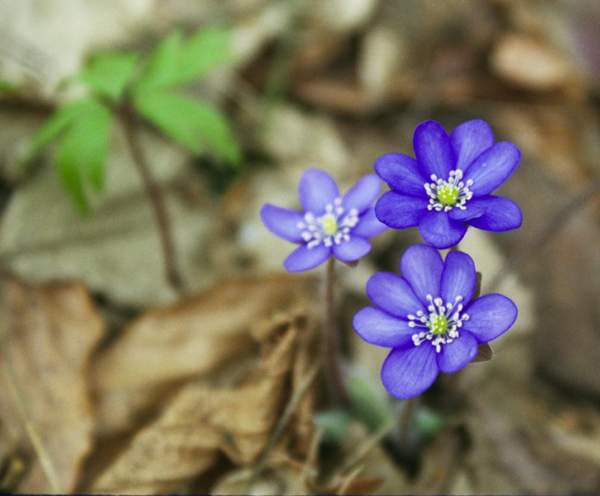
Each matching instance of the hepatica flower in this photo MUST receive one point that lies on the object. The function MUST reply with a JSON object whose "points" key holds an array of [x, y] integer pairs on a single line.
{"points": [[448, 186], [428, 318], [331, 224]]}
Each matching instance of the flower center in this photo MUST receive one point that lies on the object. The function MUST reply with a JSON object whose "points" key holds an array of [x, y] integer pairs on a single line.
{"points": [[438, 324], [333, 227], [329, 224], [448, 194], [441, 325]]}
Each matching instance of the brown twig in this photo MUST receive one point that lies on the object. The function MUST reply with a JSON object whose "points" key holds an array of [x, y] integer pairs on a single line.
{"points": [[547, 232], [331, 342], [282, 424], [350, 478], [155, 196], [365, 448]]}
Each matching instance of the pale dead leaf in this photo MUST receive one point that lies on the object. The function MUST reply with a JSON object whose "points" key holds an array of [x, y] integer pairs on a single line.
{"points": [[531, 64], [202, 421], [189, 339], [48, 335], [279, 480]]}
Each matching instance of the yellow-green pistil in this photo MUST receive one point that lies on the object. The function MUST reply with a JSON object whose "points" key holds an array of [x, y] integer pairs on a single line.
{"points": [[329, 223], [447, 195], [438, 324]]}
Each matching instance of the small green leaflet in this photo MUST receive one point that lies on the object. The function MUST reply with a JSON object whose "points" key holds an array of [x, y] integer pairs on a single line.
{"points": [[205, 50], [429, 422], [368, 404], [82, 128], [162, 67], [55, 125], [177, 61], [81, 155], [6, 87], [195, 125], [109, 73], [334, 424]]}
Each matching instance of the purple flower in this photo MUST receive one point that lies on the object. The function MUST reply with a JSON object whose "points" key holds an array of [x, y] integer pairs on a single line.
{"points": [[428, 319], [448, 186], [330, 224]]}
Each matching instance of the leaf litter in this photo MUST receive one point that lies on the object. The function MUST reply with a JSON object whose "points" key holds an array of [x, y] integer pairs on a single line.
{"points": [[167, 388]]}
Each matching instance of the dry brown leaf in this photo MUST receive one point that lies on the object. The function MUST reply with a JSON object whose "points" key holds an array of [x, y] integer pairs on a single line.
{"points": [[202, 421], [48, 335], [188, 339], [279, 480], [531, 64]]}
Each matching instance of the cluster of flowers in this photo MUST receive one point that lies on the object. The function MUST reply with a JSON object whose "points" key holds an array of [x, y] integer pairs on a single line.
{"points": [[427, 315]]}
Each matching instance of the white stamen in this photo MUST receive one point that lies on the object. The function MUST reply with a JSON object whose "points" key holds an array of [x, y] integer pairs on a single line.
{"points": [[313, 229], [451, 311], [464, 194]]}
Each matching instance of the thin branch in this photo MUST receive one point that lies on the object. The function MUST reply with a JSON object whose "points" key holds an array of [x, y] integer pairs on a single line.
{"points": [[350, 478], [364, 449], [155, 196], [547, 233], [281, 426]]}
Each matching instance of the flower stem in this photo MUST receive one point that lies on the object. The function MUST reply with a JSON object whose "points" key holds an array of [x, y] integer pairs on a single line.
{"points": [[331, 342], [156, 199], [406, 420]]}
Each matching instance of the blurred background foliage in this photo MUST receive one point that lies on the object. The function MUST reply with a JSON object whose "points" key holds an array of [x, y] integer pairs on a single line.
{"points": [[114, 379]]}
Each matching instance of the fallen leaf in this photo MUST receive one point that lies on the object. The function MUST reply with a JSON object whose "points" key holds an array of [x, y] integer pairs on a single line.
{"points": [[530, 64], [186, 340], [202, 421], [48, 335]]}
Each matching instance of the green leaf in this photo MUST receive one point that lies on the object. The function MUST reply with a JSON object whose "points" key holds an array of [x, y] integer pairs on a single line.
{"points": [[109, 73], [177, 61], [81, 154], [193, 124], [204, 51], [334, 424], [6, 87], [369, 405], [56, 124], [428, 422], [162, 67]]}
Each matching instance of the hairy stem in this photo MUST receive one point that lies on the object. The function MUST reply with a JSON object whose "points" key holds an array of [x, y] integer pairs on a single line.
{"points": [[406, 420], [156, 199], [331, 342]]}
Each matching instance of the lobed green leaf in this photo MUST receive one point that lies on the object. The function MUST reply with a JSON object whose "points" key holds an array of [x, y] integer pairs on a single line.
{"points": [[55, 125], [109, 73], [368, 404], [6, 87], [177, 61], [162, 68], [203, 52], [193, 124], [81, 154], [334, 424]]}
